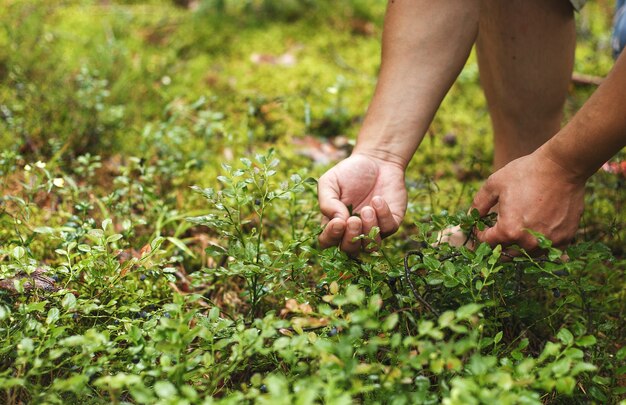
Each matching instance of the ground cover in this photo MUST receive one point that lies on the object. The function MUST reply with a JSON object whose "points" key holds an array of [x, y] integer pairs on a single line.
{"points": [[158, 222]]}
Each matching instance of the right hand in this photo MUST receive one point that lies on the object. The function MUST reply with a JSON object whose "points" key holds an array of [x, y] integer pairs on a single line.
{"points": [[375, 188]]}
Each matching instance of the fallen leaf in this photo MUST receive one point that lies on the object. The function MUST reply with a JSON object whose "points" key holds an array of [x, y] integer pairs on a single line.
{"points": [[287, 59], [37, 280], [322, 152]]}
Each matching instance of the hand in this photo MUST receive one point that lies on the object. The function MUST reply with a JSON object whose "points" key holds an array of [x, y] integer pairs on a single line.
{"points": [[531, 193], [375, 189]]}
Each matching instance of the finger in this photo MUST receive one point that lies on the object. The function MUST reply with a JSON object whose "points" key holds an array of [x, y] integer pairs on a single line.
{"points": [[328, 194], [506, 235], [325, 220], [333, 233], [485, 198], [386, 221], [491, 236], [368, 218], [348, 244]]}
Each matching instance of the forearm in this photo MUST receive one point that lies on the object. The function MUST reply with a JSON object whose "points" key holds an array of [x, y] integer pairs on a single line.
{"points": [[425, 45], [597, 131]]}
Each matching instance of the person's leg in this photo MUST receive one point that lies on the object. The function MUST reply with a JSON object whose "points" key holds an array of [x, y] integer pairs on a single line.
{"points": [[525, 55]]}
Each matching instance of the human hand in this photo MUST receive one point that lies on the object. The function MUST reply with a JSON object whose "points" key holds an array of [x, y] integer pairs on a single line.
{"points": [[376, 191], [531, 193]]}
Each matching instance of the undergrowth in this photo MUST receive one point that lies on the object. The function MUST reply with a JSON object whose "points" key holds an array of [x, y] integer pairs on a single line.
{"points": [[158, 223]]}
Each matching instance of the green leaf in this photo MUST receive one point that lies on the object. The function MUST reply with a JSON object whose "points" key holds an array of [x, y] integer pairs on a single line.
{"points": [[181, 245], [390, 322], [586, 341], [114, 238], [43, 230], [142, 394], [165, 389], [53, 316], [106, 223], [26, 344], [565, 385], [468, 310], [69, 301], [565, 336], [621, 353], [18, 252]]}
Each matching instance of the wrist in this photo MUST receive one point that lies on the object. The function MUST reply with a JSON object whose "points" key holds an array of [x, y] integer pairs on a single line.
{"points": [[555, 161], [390, 144], [381, 155]]}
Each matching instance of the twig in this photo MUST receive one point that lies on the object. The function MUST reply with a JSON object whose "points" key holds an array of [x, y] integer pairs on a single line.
{"points": [[407, 273], [587, 80]]}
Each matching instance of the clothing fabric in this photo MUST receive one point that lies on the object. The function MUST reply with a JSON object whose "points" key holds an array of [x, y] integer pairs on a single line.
{"points": [[618, 39], [578, 4]]}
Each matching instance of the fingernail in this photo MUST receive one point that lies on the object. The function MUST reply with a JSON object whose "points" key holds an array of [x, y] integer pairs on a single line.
{"points": [[367, 213], [338, 227], [354, 226], [377, 202]]}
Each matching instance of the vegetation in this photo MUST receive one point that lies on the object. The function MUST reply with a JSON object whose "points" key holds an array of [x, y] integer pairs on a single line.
{"points": [[158, 222]]}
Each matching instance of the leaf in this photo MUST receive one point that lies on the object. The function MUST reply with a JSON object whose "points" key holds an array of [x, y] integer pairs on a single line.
{"points": [[586, 341], [53, 316], [114, 238], [18, 252], [565, 385], [320, 151], [468, 310], [390, 322], [165, 389], [565, 336], [181, 245], [69, 301]]}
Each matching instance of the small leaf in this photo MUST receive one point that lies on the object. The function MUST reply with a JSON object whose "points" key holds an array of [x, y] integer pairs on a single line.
{"points": [[18, 252], [53, 316], [69, 301], [565, 336], [165, 389], [586, 341]]}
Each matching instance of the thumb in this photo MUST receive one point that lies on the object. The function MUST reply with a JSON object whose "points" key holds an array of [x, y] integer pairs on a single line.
{"points": [[486, 198], [490, 235]]}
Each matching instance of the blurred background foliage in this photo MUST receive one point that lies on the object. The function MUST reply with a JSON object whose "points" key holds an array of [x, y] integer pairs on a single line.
{"points": [[112, 110]]}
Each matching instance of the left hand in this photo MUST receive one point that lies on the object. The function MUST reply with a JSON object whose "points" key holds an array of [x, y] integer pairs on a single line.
{"points": [[531, 193]]}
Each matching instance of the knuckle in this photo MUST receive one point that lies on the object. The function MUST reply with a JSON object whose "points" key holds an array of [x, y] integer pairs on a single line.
{"points": [[512, 234]]}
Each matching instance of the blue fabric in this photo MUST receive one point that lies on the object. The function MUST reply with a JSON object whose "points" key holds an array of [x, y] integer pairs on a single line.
{"points": [[619, 28]]}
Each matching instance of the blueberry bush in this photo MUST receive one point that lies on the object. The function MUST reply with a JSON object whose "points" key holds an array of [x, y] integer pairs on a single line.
{"points": [[159, 219]]}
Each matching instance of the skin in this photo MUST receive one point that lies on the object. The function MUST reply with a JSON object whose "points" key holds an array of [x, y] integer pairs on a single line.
{"points": [[544, 190], [525, 74]]}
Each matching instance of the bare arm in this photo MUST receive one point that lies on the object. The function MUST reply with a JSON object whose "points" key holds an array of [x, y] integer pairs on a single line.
{"points": [[597, 131], [425, 45], [544, 191]]}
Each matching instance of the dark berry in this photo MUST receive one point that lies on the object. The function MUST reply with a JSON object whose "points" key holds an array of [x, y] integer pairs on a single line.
{"points": [[332, 332], [449, 139], [556, 292], [142, 277], [257, 202], [167, 315], [263, 388]]}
